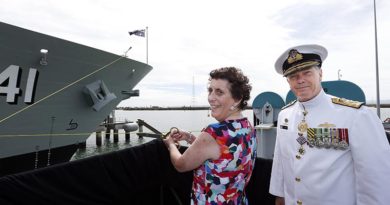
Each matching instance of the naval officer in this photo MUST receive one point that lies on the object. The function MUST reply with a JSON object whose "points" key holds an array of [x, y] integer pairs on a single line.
{"points": [[328, 150]]}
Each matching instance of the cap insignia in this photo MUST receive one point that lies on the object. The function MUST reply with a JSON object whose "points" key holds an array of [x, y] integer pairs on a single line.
{"points": [[294, 56]]}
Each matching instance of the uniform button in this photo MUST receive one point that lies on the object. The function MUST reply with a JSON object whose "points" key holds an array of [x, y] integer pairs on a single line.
{"points": [[298, 156], [297, 179], [299, 202]]}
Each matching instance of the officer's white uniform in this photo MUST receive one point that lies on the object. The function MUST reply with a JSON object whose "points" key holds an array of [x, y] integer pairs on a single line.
{"points": [[320, 169], [359, 174]]}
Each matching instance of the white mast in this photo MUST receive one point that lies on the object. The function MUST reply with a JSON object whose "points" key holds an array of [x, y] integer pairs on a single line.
{"points": [[378, 110]]}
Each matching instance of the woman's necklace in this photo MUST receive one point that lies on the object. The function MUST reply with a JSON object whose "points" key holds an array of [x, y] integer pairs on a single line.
{"points": [[302, 129]]}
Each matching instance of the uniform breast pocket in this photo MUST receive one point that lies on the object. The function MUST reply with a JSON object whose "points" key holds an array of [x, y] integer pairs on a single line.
{"points": [[287, 143]]}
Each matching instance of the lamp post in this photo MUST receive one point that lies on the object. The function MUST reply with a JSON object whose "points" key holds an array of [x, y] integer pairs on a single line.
{"points": [[378, 110]]}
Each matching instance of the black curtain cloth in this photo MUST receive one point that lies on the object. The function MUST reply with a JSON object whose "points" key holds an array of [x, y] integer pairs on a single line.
{"points": [[141, 175]]}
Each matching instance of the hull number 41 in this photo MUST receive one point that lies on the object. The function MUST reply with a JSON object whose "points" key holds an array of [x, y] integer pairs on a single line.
{"points": [[10, 80]]}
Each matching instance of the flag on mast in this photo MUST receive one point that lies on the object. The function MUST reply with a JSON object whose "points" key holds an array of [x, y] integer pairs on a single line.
{"points": [[138, 32], [142, 33]]}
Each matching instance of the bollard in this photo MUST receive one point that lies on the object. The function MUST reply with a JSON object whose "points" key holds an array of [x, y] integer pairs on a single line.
{"points": [[98, 139], [116, 135], [127, 136], [108, 133], [140, 129]]}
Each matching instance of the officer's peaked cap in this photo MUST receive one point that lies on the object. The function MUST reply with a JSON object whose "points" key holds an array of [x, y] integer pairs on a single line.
{"points": [[299, 58]]}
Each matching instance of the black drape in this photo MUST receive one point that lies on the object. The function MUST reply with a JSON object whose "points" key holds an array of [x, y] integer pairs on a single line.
{"points": [[139, 175]]}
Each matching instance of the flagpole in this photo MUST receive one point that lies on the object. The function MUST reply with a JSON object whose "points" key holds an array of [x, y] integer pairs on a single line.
{"points": [[378, 110], [147, 35]]}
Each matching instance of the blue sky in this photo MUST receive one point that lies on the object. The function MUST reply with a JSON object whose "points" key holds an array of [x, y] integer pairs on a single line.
{"points": [[187, 39]]}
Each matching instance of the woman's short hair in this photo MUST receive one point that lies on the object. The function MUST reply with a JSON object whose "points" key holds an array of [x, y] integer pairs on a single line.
{"points": [[239, 83]]}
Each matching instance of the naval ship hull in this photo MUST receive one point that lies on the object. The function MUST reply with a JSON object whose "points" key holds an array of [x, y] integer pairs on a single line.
{"points": [[53, 94]]}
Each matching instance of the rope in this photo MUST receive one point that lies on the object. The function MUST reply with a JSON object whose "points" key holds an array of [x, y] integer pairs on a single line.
{"points": [[60, 90]]}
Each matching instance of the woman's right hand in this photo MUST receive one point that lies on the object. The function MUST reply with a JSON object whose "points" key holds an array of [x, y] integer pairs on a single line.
{"points": [[179, 135]]}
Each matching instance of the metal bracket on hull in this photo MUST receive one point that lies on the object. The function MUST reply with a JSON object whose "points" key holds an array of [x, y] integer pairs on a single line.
{"points": [[99, 94], [131, 93]]}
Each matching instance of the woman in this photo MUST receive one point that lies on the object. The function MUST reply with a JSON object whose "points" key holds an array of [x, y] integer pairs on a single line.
{"points": [[223, 155]]}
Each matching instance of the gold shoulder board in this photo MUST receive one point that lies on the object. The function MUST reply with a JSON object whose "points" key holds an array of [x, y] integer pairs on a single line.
{"points": [[288, 105], [348, 103]]}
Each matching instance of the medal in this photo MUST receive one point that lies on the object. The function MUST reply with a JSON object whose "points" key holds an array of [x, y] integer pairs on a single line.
{"points": [[301, 150], [302, 126], [311, 137], [335, 137], [344, 142], [301, 140], [326, 136], [343, 145]]}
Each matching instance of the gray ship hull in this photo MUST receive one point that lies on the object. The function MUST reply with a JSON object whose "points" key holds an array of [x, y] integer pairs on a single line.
{"points": [[55, 100]]}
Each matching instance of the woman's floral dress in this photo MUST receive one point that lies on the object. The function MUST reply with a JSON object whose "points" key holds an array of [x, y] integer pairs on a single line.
{"points": [[222, 181]]}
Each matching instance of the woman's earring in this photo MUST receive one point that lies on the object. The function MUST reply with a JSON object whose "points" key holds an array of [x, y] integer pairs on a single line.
{"points": [[232, 107]]}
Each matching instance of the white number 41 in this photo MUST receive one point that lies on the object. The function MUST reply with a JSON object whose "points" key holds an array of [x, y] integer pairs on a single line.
{"points": [[11, 73]]}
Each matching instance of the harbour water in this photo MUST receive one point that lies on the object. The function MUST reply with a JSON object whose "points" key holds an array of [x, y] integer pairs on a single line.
{"points": [[162, 120]]}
